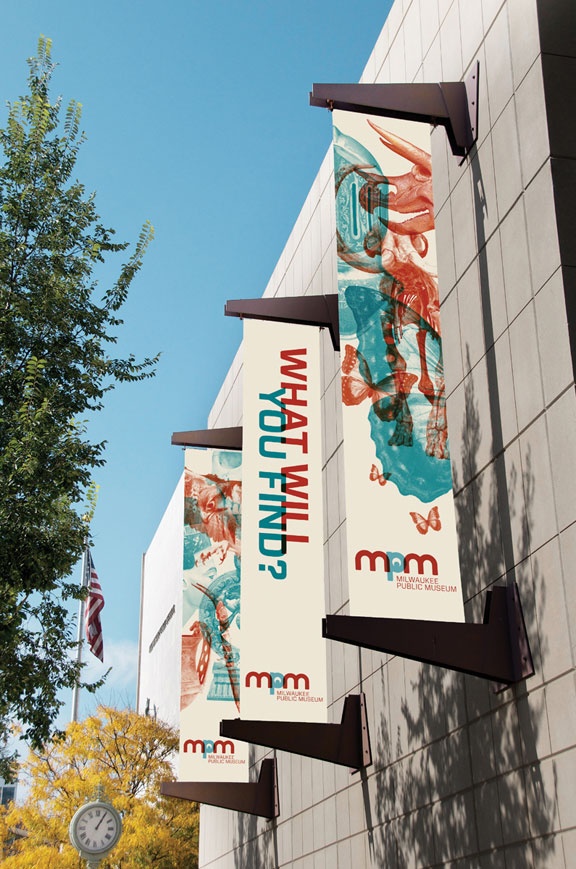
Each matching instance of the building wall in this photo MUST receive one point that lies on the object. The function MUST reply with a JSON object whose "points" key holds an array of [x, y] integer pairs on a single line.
{"points": [[161, 616], [461, 776], [7, 793]]}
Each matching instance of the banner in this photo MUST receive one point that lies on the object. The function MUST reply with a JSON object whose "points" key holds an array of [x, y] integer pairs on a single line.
{"points": [[283, 664], [210, 683], [400, 522]]}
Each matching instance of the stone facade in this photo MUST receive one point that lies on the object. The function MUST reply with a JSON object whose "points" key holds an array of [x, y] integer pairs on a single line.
{"points": [[461, 776]]}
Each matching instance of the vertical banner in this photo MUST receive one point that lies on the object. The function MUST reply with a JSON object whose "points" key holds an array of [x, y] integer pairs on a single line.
{"points": [[400, 523], [210, 679], [283, 665]]}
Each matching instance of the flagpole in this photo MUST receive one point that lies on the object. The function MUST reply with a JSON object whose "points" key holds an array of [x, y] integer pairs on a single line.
{"points": [[79, 634]]}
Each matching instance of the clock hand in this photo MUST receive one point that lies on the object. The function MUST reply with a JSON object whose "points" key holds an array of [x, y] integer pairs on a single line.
{"points": [[100, 821]]}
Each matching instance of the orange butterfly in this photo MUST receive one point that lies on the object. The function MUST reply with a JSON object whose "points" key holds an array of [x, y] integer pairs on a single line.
{"points": [[422, 524], [349, 361], [376, 475], [357, 383]]}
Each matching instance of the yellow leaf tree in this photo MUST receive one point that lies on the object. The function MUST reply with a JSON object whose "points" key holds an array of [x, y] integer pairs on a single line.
{"points": [[128, 755]]}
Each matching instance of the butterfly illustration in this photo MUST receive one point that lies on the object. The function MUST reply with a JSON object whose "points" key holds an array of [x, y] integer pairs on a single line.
{"points": [[422, 524], [376, 475], [349, 360], [357, 383]]}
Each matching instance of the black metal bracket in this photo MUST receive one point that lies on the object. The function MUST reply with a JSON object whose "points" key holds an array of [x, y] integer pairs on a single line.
{"points": [[347, 743], [452, 104], [258, 798], [218, 438], [306, 310], [497, 649]]}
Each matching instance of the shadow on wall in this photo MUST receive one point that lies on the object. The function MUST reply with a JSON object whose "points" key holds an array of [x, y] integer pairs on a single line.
{"points": [[458, 775], [255, 845], [252, 847], [458, 779]]}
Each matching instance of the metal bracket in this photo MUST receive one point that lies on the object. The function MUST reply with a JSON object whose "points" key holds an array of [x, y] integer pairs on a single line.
{"points": [[258, 798], [347, 743], [497, 649], [452, 104], [219, 438], [306, 310]]}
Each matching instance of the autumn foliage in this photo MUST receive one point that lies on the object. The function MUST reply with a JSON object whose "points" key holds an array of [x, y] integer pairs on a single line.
{"points": [[129, 755]]}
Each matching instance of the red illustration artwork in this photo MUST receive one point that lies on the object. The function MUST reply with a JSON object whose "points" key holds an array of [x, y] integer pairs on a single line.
{"points": [[394, 247], [423, 524], [215, 499], [376, 476]]}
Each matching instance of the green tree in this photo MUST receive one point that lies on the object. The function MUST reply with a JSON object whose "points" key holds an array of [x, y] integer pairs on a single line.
{"points": [[128, 755], [57, 334]]}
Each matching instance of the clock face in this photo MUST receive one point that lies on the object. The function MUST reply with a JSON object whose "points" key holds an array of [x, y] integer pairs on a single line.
{"points": [[96, 828]]}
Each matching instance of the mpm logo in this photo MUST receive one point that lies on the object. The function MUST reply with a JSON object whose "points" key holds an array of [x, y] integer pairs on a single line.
{"points": [[395, 562], [207, 746], [277, 680]]}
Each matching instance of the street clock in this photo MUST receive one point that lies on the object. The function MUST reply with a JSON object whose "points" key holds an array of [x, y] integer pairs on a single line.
{"points": [[95, 829]]}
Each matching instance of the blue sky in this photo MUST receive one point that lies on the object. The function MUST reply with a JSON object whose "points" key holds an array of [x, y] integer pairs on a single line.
{"points": [[197, 119]]}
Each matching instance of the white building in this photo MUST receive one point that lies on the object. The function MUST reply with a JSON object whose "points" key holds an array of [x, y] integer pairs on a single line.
{"points": [[161, 617], [460, 776]]}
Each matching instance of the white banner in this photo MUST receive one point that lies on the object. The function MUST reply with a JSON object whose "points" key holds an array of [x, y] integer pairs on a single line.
{"points": [[210, 681], [400, 523], [283, 664]]}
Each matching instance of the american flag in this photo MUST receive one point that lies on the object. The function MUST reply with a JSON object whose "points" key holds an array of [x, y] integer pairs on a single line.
{"points": [[94, 606]]}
